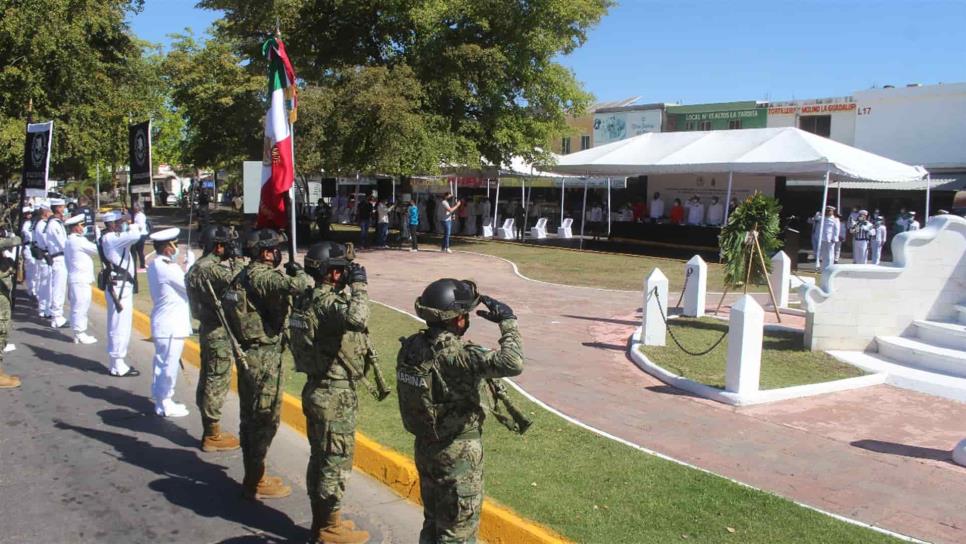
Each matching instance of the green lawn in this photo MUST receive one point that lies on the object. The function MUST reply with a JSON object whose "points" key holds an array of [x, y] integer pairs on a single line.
{"points": [[784, 360], [595, 490]]}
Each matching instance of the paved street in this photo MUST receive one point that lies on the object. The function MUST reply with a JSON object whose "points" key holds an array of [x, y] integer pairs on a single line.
{"points": [[83, 458]]}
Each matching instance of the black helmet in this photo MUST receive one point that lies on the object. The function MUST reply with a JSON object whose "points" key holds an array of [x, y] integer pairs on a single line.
{"points": [[325, 255], [263, 239], [447, 298], [217, 234]]}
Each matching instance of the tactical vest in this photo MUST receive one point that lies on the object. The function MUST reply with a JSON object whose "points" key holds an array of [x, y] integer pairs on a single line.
{"points": [[242, 313], [303, 323], [423, 395]]}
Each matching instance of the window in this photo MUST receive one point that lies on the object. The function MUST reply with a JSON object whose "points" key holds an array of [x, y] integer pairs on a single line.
{"points": [[565, 145], [704, 125], [816, 124], [734, 123], [584, 142]]}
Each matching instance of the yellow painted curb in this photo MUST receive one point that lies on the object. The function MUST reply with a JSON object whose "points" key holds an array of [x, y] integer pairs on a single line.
{"points": [[498, 524]]}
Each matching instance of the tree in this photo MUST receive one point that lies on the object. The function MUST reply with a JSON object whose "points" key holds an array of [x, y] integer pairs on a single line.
{"points": [[484, 70]]}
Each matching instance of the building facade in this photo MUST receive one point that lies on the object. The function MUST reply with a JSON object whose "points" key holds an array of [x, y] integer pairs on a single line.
{"points": [[719, 116]]}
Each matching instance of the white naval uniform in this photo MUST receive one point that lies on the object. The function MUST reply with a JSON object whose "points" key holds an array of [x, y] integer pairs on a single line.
{"points": [[43, 271], [29, 264], [117, 250], [881, 234], [862, 233], [829, 238], [695, 213], [56, 244], [170, 323], [913, 225], [716, 214], [656, 209], [80, 275]]}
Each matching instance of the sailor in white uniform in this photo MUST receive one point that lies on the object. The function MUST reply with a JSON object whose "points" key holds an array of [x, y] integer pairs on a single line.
{"points": [[40, 254], [863, 232], [715, 212], [881, 235], [656, 209], [29, 264], [80, 255], [829, 237], [56, 237], [913, 224], [170, 319], [695, 211], [115, 246]]}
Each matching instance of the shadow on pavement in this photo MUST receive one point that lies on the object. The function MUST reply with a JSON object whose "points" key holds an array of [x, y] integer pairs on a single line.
{"points": [[904, 450], [192, 483], [49, 333], [66, 359], [604, 345], [116, 396], [603, 320]]}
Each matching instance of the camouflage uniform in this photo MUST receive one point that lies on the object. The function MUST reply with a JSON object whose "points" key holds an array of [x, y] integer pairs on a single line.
{"points": [[451, 467], [329, 399], [216, 352], [7, 270], [260, 387]]}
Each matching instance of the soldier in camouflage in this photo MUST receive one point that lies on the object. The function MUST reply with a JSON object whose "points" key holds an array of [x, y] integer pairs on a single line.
{"points": [[216, 267], [7, 271], [440, 378], [260, 385], [327, 329]]}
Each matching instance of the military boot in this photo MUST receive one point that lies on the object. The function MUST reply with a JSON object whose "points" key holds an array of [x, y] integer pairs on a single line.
{"points": [[320, 517], [215, 440], [335, 531], [258, 486], [8, 382]]}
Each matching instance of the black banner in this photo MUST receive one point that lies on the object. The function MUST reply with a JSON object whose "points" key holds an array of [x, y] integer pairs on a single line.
{"points": [[139, 153], [36, 156]]}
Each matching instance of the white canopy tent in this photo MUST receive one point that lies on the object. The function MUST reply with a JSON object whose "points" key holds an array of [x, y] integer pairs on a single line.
{"points": [[787, 151]]}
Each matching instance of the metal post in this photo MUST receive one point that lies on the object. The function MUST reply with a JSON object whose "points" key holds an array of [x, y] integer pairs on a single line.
{"points": [[608, 208], [928, 184], [563, 191], [496, 206], [97, 190], [821, 224], [291, 198], [838, 201], [583, 216], [728, 197]]}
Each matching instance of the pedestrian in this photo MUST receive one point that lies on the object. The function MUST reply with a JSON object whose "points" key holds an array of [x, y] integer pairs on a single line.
{"points": [[913, 224], [479, 215], [8, 270], [486, 212], [29, 263], [596, 218], [79, 255], [448, 429], [863, 232], [170, 319], [141, 220], [163, 194], [447, 210], [656, 209], [412, 217], [56, 241], [902, 221], [715, 213], [328, 329], [677, 212], [257, 307], [41, 257], [881, 234], [118, 283], [462, 214], [364, 218], [206, 282], [815, 221], [382, 224], [843, 232], [829, 237]]}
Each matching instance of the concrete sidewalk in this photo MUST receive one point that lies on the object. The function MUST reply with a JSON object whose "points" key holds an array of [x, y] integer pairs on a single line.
{"points": [[83, 458], [879, 455]]}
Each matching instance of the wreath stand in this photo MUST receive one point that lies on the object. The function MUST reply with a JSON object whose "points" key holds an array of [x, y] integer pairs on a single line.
{"points": [[753, 249]]}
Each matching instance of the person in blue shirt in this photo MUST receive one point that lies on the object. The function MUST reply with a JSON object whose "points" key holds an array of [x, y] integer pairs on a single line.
{"points": [[413, 219]]}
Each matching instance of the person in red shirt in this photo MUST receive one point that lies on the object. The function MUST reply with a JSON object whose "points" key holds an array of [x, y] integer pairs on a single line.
{"points": [[677, 212], [640, 210]]}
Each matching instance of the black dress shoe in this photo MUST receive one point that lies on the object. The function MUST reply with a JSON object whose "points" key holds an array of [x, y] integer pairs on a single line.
{"points": [[131, 373]]}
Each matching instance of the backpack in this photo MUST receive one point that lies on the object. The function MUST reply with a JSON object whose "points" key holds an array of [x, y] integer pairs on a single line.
{"points": [[303, 323], [242, 313], [423, 395]]}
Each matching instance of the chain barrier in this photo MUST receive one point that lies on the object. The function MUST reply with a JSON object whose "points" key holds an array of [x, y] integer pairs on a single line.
{"points": [[684, 289], [670, 331]]}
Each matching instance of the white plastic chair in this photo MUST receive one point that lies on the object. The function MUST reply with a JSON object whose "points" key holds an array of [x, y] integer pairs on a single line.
{"points": [[539, 230], [565, 230], [506, 231]]}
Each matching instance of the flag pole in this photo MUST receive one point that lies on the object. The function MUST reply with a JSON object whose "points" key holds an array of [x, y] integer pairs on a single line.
{"points": [[291, 190]]}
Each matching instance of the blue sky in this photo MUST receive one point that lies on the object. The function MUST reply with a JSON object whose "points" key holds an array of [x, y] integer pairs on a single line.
{"points": [[694, 51]]}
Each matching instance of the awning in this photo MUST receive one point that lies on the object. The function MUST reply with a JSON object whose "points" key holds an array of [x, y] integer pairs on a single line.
{"points": [[945, 183]]}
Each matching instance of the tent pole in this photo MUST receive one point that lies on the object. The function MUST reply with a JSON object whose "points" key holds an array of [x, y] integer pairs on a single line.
{"points": [[526, 210], [608, 208], [583, 216], [928, 184], [728, 198], [838, 202], [563, 190], [821, 224], [496, 206]]}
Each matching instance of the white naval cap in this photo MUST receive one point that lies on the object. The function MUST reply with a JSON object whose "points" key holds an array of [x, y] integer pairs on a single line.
{"points": [[110, 217], [43, 205], [75, 219], [863, 212], [165, 235], [27, 209], [57, 202]]}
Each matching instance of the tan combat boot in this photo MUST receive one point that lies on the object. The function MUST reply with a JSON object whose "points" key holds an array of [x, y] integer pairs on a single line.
{"points": [[335, 531], [8, 382], [258, 486], [215, 440]]}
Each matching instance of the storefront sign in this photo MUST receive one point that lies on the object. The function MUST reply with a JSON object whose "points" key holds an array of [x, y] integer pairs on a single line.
{"points": [[812, 109], [614, 126]]}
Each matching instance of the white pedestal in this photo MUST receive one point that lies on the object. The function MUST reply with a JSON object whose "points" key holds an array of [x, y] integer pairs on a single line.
{"points": [[780, 279], [744, 346], [959, 453], [696, 289], [655, 309]]}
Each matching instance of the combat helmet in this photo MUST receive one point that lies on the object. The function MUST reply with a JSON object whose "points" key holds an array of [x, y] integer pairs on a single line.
{"points": [[325, 255], [447, 298], [218, 234], [263, 239]]}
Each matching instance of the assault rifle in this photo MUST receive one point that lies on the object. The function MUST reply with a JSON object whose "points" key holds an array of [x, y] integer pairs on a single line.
{"points": [[380, 390], [513, 419], [220, 312]]}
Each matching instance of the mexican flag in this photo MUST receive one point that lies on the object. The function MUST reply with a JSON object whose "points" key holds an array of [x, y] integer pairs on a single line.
{"points": [[278, 159]]}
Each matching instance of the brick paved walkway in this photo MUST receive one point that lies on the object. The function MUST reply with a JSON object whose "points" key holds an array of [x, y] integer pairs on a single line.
{"points": [[879, 455]]}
